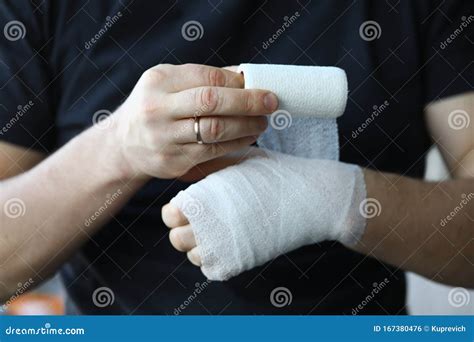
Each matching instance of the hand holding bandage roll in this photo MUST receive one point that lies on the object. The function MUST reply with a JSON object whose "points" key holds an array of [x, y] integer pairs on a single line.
{"points": [[270, 204]]}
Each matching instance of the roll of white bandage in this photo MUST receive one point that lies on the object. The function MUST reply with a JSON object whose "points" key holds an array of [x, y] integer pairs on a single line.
{"points": [[309, 91], [310, 100]]}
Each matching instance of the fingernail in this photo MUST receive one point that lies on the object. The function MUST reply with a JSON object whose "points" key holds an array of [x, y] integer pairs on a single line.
{"points": [[270, 102]]}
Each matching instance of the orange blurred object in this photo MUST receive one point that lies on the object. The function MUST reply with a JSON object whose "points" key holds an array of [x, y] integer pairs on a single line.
{"points": [[36, 304]]}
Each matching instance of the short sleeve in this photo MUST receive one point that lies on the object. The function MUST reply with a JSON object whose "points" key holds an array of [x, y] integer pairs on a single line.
{"points": [[26, 99], [448, 43]]}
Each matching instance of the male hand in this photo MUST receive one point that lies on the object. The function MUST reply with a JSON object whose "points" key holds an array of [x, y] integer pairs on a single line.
{"points": [[155, 125]]}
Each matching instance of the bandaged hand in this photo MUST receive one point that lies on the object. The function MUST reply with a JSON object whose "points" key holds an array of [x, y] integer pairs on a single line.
{"points": [[247, 214]]}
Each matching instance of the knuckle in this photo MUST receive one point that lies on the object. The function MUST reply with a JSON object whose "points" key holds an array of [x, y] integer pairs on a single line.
{"points": [[212, 77], [155, 75], [248, 102], [148, 106], [216, 129], [207, 99], [216, 78]]}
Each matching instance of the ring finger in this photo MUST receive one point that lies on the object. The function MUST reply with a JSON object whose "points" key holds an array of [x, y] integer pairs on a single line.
{"points": [[218, 129]]}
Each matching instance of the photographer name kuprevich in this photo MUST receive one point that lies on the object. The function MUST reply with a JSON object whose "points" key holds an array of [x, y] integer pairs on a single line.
{"points": [[447, 329]]}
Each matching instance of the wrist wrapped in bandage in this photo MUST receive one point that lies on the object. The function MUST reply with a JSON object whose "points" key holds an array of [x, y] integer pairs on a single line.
{"points": [[248, 214]]}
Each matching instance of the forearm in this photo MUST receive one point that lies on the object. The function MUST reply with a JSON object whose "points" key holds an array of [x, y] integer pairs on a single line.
{"points": [[75, 191], [57, 202], [415, 230]]}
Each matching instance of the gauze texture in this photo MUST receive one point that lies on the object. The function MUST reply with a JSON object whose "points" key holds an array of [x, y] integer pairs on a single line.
{"points": [[310, 100], [247, 214]]}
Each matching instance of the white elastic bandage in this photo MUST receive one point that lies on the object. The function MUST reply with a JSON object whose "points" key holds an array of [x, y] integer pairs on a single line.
{"points": [[248, 214], [310, 99], [301, 90]]}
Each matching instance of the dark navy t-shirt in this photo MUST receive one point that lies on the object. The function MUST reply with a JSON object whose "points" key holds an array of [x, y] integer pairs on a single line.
{"points": [[65, 61]]}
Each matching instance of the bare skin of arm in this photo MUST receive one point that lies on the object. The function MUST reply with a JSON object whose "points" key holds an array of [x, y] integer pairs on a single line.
{"points": [[408, 233], [57, 197]]}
